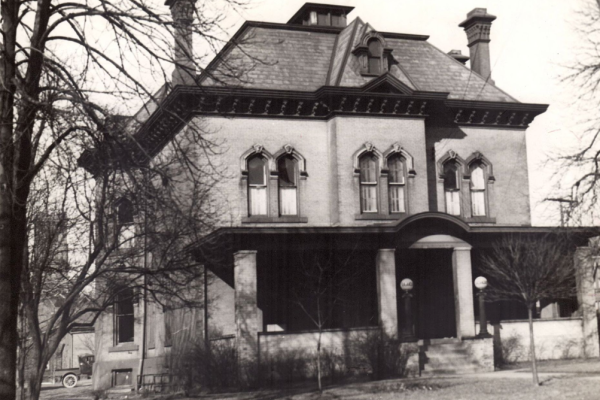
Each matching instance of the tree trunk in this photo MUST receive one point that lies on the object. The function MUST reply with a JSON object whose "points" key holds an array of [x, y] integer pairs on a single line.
{"points": [[534, 372], [319, 361], [9, 301]]}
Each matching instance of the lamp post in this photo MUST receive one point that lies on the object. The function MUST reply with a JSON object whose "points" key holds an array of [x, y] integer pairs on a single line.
{"points": [[481, 283], [408, 335]]}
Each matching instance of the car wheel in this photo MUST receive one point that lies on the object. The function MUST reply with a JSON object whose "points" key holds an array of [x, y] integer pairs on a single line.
{"points": [[69, 381]]}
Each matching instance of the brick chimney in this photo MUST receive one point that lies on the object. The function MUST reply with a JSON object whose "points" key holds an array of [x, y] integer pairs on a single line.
{"points": [[182, 12], [478, 25]]}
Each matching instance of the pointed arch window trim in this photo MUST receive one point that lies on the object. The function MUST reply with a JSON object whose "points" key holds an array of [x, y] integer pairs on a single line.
{"points": [[452, 195], [398, 188], [272, 175], [479, 191]]}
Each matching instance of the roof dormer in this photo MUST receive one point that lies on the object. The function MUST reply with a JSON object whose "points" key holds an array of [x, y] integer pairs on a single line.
{"points": [[373, 54], [315, 14]]}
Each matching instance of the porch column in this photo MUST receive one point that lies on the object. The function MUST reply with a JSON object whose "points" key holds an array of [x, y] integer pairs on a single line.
{"points": [[246, 310], [585, 275], [386, 292], [463, 292]]}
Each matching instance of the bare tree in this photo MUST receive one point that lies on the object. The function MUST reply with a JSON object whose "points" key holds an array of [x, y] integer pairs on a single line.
{"points": [[128, 232], [61, 65], [529, 269], [325, 279], [577, 166]]}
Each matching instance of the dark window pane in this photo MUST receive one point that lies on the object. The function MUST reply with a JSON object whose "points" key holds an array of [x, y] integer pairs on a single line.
{"points": [[124, 318], [125, 328], [256, 170], [450, 176], [322, 18], [124, 212], [125, 302], [375, 48], [122, 377], [368, 168], [287, 171]]}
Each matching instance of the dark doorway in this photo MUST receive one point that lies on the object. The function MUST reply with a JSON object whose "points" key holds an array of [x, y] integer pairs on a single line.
{"points": [[433, 293]]}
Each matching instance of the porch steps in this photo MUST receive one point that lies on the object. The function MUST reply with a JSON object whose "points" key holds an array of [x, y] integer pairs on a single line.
{"points": [[447, 356]]}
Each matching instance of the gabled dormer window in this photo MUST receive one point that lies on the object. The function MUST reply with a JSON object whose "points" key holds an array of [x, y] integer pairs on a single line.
{"points": [[375, 56]]}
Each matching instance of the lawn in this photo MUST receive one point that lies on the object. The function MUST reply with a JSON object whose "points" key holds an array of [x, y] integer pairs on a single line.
{"points": [[446, 388], [569, 379]]}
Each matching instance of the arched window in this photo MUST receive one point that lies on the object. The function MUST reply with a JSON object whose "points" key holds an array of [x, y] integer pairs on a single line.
{"points": [[368, 183], [287, 166], [374, 55], [397, 183], [478, 190], [452, 187], [257, 185]]}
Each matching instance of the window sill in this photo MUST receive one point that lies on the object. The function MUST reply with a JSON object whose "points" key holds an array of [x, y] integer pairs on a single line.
{"points": [[274, 220], [375, 216], [130, 346], [489, 220]]}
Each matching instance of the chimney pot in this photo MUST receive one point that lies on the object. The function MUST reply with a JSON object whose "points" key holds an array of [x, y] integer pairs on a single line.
{"points": [[458, 56], [182, 12], [477, 26]]}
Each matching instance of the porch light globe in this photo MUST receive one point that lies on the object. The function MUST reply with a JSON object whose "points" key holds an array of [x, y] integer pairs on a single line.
{"points": [[481, 283], [406, 284]]}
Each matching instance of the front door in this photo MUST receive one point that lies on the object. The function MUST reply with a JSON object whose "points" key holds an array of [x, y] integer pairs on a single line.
{"points": [[433, 293]]}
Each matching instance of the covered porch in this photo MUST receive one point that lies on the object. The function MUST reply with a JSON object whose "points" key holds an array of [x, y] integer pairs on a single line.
{"points": [[272, 273]]}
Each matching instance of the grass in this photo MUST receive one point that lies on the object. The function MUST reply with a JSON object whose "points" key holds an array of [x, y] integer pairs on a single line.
{"points": [[574, 379]]}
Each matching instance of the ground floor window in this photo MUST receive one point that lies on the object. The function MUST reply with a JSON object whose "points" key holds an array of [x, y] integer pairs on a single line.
{"points": [[121, 377]]}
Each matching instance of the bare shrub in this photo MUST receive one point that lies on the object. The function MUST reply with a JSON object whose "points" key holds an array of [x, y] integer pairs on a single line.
{"points": [[385, 357]]}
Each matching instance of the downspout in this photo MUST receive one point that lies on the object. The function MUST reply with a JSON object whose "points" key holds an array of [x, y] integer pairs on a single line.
{"points": [[144, 317]]}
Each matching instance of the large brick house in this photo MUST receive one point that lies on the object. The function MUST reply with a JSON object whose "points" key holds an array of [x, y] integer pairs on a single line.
{"points": [[353, 141]]}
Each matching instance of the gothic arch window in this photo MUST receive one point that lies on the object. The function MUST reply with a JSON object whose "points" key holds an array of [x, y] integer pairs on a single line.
{"points": [[369, 176], [400, 166], [397, 183], [258, 180], [452, 180], [256, 166], [291, 169], [287, 168], [478, 190], [480, 174]]}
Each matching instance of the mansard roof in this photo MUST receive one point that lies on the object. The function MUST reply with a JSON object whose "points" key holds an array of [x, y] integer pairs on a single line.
{"points": [[305, 58]]}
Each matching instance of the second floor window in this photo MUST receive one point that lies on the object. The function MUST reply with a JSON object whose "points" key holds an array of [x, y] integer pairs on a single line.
{"points": [[257, 185], [368, 183], [477, 186], [124, 320], [288, 185], [452, 188], [397, 184]]}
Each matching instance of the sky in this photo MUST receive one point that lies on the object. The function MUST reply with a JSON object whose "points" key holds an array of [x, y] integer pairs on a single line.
{"points": [[532, 41]]}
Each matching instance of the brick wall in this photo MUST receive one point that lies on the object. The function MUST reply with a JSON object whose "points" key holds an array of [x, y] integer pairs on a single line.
{"points": [[506, 149]]}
